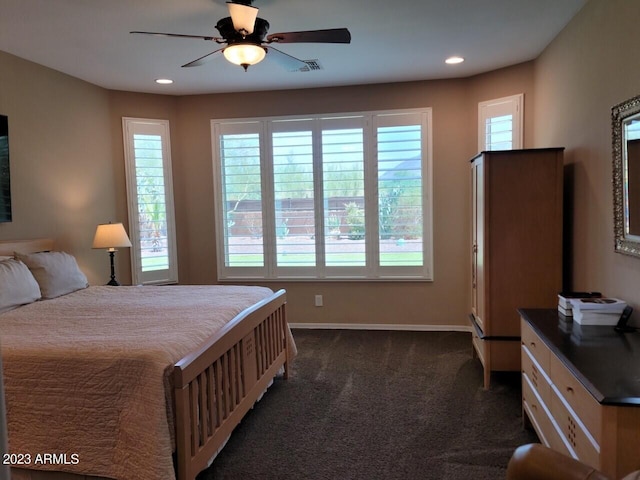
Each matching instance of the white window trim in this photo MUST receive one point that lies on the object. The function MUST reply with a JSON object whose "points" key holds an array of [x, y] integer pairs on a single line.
{"points": [[274, 273], [513, 105], [131, 126]]}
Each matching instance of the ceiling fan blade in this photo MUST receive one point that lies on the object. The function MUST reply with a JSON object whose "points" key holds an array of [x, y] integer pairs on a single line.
{"points": [[204, 59], [179, 35], [331, 35], [287, 61]]}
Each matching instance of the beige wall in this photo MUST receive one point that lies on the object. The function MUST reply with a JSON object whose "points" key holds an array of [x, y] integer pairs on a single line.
{"points": [[62, 170], [591, 66], [454, 102], [68, 173], [136, 105], [72, 177], [442, 302]]}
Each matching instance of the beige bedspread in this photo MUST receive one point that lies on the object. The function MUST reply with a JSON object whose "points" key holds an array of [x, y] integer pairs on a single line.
{"points": [[93, 382]]}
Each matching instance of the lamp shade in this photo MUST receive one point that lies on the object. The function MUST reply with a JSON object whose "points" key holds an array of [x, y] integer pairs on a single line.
{"points": [[111, 235], [243, 17]]}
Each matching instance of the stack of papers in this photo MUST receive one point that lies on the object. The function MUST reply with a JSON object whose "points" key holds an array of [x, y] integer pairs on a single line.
{"points": [[597, 311]]}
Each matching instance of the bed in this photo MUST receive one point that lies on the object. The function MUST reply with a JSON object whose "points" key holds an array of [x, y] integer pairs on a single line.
{"points": [[135, 382]]}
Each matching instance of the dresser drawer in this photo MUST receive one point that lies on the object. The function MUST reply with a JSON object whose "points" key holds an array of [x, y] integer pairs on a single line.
{"points": [[574, 432], [582, 402], [537, 377], [540, 417], [535, 345]]}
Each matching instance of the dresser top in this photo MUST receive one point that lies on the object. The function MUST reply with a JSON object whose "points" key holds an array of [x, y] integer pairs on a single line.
{"points": [[606, 362]]}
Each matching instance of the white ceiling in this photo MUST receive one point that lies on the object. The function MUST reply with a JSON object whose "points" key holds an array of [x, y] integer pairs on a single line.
{"points": [[392, 40]]}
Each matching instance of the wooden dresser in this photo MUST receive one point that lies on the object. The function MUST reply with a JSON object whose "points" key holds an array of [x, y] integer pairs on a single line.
{"points": [[581, 390], [516, 247]]}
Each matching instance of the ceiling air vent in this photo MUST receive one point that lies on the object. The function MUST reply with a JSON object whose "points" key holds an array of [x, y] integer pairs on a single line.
{"points": [[311, 66]]}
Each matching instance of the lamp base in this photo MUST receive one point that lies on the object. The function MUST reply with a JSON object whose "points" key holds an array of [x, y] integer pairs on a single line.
{"points": [[113, 282]]}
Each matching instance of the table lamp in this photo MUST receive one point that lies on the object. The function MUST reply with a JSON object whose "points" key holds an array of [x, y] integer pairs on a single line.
{"points": [[111, 236]]}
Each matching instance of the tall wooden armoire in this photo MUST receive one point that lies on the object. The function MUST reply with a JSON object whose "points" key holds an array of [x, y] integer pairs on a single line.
{"points": [[516, 247]]}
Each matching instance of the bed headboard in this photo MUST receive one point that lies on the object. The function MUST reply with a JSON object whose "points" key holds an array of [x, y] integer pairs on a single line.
{"points": [[26, 246]]}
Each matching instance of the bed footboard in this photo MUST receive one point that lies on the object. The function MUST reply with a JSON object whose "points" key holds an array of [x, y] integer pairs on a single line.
{"points": [[216, 386]]}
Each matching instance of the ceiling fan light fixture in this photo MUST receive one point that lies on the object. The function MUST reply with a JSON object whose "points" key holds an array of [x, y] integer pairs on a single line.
{"points": [[244, 54], [243, 17]]}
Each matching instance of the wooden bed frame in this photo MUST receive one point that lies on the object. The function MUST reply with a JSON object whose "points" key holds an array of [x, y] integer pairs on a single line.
{"points": [[217, 385]]}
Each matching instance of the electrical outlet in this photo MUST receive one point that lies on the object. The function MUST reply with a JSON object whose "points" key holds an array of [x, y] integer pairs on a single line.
{"points": [[318, 300]]}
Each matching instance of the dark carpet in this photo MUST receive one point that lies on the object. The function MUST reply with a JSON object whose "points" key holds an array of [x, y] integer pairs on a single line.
{"points": [[379, 405]]}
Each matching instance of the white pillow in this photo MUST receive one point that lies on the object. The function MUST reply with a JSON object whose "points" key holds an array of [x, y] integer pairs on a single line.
{"points": [[57, 273], [17, 285]]}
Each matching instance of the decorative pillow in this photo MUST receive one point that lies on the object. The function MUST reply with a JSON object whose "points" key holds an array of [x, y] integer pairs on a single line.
{"points": [[57, 273], [17, 285]]}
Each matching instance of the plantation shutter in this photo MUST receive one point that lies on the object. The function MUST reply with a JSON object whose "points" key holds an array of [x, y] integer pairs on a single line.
{"points": [[150, 201], [324, 197], [238, 178], [292, 148], [343, 171], [500, 123], [403, 179]]}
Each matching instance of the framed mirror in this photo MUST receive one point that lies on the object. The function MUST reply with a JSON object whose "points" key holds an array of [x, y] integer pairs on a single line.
{"points": [[625, 120]]}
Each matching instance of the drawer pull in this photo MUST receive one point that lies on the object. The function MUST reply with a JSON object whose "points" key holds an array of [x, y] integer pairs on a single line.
{"points": [[533, 344], [569, 389]]}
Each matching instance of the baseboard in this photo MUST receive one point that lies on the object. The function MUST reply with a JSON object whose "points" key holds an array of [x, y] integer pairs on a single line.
{"points": [[382, 326]]}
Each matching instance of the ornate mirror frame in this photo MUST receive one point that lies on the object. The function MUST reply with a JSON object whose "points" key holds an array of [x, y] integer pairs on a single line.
{"points": [[620, 115]]}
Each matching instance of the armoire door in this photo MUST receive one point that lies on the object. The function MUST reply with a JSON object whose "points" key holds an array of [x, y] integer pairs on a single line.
{"points": [[477, 243]]}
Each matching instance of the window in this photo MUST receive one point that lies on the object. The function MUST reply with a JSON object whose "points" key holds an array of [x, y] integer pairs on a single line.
{"points": [[150, 201], [500, 123], [324, 197]]}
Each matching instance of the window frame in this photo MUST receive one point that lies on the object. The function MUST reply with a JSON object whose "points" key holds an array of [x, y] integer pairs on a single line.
{"points": [[130, 127], [320, 272], [512, 105]]}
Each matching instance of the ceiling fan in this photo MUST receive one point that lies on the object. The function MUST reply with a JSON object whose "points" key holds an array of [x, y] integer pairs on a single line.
{"points": [[247, 42]]}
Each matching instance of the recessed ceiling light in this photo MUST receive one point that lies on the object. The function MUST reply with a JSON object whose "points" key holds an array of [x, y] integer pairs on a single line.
{"points": [[164, 81], [454, 60]]}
